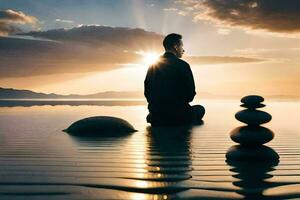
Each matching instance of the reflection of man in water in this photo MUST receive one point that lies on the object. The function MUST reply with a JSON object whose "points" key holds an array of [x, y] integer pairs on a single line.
{"points": [[169, 87]]}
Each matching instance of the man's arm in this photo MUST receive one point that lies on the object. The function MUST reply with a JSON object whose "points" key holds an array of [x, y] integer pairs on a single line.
{"points": [[147, 84], [188, 83]]}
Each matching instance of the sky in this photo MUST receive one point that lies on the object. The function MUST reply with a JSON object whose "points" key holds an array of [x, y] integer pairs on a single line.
{"points": [[236, 47]]}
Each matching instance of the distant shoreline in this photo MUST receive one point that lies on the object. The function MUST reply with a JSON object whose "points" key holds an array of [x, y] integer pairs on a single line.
{"points": [[141, 99], [10, 94], [72, 99]]}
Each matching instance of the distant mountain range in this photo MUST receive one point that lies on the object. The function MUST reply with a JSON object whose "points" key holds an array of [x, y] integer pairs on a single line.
{"points": [[10, 93]]}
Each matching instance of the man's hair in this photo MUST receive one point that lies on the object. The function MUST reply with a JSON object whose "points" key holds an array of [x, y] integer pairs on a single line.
{"points": [[170, 40]]}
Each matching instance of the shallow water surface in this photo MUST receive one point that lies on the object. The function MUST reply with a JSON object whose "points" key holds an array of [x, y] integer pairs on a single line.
{"points": [[39, 161]]}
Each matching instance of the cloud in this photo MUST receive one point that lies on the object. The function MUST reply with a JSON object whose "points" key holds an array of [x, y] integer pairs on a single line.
{"points": [[64, 21], [82, 49], [263, 50], [10, 18], [179, 12], [198, 60], [270, 15], [274, 55], [170, 9], [224, 31], [6, 29], [77, 50], [119, 38], [183, 13]]}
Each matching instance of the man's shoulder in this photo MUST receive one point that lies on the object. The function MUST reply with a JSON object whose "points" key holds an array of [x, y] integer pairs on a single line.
{"points": [[183, 64]]}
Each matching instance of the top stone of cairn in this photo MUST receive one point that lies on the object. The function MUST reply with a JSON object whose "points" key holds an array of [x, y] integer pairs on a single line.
{"points": [[252, 101]]}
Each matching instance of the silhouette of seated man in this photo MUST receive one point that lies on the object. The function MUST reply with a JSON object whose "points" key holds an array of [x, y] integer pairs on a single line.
{"points": [[169, 87]]}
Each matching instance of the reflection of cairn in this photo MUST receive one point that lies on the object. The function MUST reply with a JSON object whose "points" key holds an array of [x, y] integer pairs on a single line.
{"points": [[253, 178], [252, 137], [251, 160]]}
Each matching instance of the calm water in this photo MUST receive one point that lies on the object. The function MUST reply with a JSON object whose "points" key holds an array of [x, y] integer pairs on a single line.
{"points": [[39, 161]]}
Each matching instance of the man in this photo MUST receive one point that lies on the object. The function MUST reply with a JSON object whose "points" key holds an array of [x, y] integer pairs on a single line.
{"points": [[169, 87]]}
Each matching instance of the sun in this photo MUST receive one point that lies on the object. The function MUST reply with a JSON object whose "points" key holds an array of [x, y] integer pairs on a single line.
{"points": [[150, 57]]}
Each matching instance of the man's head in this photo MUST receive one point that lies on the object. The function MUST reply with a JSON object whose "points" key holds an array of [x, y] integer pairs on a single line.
{"points": [[173, 43]]}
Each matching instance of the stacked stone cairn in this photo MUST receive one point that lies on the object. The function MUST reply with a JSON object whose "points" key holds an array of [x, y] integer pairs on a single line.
{"points": [[251, 138]]}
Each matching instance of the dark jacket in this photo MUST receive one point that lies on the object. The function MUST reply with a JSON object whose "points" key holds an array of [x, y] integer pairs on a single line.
{"points": [[169, 87]]}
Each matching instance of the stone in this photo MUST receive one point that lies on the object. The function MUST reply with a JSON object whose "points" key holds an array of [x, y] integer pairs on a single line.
{"points": [[251, 136], [252, 99], [100, 126], [253, 117], [259, 153], [253, 106]]}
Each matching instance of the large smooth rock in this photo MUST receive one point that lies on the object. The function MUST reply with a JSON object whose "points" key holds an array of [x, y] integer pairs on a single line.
{"points": [[251, 136], [252, 99], [251, 154], [253, 117], [100, 126]]}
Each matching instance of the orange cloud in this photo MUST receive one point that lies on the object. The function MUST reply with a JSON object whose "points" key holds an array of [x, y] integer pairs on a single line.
{"points": [[10, 18], [270, 15], [76, 50], [220, 59]]}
